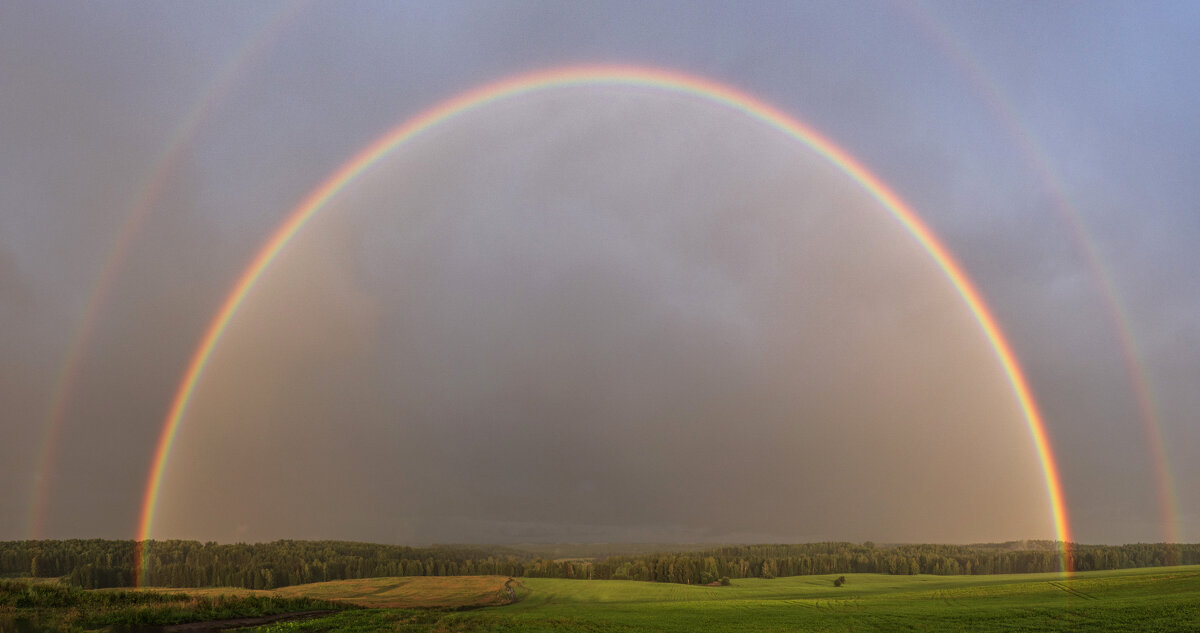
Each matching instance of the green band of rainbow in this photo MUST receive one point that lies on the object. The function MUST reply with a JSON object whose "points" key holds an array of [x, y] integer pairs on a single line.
{"points": [[592, 76]]}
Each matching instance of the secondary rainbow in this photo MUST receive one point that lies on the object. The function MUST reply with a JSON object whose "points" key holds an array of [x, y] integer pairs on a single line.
{"points": [[145, 201], [628, 77], [1038, 160]]}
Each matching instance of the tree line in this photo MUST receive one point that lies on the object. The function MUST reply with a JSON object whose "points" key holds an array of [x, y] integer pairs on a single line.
{"points": [[107, 563], [769, 561], [98, 563]]}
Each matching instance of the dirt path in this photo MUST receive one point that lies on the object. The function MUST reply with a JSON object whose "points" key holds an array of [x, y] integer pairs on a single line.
{"points": [[212, 626]]}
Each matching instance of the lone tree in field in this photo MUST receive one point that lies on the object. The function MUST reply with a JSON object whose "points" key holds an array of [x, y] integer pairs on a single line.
{"points": [[841, 580]]}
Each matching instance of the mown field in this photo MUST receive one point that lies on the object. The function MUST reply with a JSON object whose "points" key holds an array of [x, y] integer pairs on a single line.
{"points": [[418, 591], [395, 592], [1158, 599]]}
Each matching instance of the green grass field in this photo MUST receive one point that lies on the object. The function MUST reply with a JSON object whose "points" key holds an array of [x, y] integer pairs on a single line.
{"points": [[1156, 599]]}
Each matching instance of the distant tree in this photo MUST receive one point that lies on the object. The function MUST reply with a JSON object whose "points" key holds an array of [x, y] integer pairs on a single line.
{"points": [[724, 581], [841, 580]]}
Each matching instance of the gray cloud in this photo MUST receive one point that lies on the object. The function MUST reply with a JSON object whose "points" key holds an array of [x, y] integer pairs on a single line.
{"points": [[597, 314]]}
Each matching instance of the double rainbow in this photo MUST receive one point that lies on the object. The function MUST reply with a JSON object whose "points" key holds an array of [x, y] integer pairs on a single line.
{"points": [[621, 76]]}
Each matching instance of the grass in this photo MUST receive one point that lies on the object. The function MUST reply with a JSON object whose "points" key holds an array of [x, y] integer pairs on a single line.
{"points": [[1156, 599], [62, 607], [453, 592]]}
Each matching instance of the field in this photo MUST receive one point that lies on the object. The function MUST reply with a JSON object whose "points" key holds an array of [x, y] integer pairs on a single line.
{"points": [[39, 605], [1148, 599], [418, 591], [401, 592], [1158, 599]]}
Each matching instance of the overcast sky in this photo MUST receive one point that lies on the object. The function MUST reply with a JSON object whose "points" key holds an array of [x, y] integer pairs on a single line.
{"points": [[600, 313]]}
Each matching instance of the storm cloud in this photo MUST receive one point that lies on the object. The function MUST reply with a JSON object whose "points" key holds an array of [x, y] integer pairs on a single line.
{"points": [[598, 313]]}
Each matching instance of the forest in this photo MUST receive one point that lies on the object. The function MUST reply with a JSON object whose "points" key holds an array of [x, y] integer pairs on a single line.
{"points": [[98, 563]]}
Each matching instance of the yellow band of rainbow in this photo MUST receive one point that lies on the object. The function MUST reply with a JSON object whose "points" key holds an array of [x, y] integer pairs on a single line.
{"points": [[615, 76]]}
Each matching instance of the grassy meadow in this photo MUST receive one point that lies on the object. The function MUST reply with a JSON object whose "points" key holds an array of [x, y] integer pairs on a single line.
{"points": [[47, 605], [1159, 599], [1148, 599]]}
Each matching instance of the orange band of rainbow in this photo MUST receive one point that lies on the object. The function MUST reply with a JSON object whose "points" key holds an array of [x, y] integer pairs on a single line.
{"points": [[615, 76]]}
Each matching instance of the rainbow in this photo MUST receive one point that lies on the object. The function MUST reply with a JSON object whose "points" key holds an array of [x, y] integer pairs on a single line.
{"points": [[622, 76], [148, 195]]}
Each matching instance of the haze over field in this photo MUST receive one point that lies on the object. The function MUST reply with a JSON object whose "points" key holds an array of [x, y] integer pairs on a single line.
{"points": [[599, 312]]}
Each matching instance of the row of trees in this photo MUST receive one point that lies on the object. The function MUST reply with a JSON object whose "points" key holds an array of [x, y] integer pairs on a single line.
{"points": [[104, 563], [769, 561]]}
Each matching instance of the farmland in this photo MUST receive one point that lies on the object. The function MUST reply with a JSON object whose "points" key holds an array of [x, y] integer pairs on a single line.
{"points": [[1162, 599], [1150, 599]]}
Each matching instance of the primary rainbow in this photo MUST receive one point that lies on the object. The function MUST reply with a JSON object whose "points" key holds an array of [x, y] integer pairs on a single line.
{"points": [[624, 76]]}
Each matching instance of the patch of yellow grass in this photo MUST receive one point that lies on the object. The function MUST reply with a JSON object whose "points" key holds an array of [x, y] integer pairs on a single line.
{"points": [[211, 592], [408, 591], [389, 592]]}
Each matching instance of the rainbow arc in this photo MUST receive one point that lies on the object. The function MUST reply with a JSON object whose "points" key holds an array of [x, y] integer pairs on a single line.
{"points": [[617, 76]]}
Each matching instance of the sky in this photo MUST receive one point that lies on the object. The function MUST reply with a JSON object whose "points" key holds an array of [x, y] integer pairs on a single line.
{"points": [[599, 312]]}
